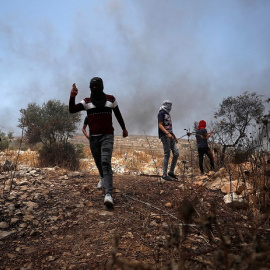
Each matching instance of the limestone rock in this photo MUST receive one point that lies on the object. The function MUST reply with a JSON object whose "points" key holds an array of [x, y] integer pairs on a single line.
{"points": [[4, 225], [230, 186], [168, 205], [4, 234], [231, 197]]}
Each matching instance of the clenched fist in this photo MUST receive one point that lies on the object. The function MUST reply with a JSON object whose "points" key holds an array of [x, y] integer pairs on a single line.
{"points": [[74, 90]]}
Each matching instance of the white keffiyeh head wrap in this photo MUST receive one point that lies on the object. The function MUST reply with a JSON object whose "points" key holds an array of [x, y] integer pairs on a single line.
{"points": [[166, 106]]}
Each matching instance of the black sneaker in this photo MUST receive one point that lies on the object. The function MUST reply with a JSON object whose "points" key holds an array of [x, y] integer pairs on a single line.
{"points": [[166, 177], [172, 175]]}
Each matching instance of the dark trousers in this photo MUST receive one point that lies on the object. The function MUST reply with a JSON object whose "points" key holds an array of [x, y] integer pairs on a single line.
{"points": [[102, 147], [205, 151]]}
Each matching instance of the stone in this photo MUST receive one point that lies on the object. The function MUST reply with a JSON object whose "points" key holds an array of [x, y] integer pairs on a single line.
{"points": [[168, 205], [11, 207], [88, 204], [231, 197], [14, 220], [153, 223], [4, 225], [30, 250], [4, 234], [105, 213], [198, 183], [203, 178], [23, 225], [220, 173], [216, 184], [230, 186], [11, 256], [28, 217], [211, 173], [22, 183], [31, 205]]}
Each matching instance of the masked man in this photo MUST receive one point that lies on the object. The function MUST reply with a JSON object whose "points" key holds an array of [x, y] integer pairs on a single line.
{"points": [[99, 108], [203, 149], [168, 140]]}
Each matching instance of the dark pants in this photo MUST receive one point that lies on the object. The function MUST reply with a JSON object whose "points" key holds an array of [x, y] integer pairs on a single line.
{"points": [[102, 147], [205, 151]]}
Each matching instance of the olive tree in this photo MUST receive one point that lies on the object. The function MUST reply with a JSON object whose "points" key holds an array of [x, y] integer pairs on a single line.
{"points": [[233, 118], [5, 139], [48, 123], [52, 125], [264, 130]]}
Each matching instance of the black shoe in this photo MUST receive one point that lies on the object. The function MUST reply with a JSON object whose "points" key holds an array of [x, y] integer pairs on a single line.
{"points": [[172, 175], [166, 177]]}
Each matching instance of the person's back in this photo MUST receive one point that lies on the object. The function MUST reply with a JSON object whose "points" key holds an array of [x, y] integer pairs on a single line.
{"points": [[201, 138]]}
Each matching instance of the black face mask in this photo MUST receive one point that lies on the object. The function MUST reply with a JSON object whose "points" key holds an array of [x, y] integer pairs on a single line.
{"points": [[98, 97]]}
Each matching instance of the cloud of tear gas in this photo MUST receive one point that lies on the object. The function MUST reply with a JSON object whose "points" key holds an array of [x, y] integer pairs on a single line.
{"points": [[194, 53]]}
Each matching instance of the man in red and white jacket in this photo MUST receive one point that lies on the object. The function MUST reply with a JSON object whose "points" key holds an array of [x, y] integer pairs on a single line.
{"points": [[99, 109]]}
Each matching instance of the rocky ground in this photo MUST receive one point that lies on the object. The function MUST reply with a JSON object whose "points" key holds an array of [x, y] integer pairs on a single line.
{"points": [[54, 219], [51, 218]]}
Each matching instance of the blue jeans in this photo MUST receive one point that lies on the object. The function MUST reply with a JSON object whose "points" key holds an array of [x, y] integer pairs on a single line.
{"points": [[102, 147], [168, 146]]}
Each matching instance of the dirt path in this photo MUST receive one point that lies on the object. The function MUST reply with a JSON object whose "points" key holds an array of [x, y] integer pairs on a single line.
{"points": [[58, 221]]}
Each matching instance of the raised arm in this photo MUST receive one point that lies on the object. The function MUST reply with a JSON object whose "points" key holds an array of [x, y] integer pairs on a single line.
{"points": [[73, 108], [209, 134]]}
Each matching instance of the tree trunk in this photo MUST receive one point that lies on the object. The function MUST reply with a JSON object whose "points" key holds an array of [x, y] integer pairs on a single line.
{"points": [[222, 158]]}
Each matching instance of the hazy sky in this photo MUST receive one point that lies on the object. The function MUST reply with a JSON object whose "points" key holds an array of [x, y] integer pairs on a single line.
{"points": [[192, 52]]}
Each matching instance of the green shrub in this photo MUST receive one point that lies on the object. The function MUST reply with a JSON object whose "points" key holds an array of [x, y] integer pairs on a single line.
{"points": [[4, 144], [63, 155], [80, 150]]}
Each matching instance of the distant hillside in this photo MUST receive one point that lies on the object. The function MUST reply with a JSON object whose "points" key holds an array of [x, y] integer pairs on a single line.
{"points": [[136, 142]]}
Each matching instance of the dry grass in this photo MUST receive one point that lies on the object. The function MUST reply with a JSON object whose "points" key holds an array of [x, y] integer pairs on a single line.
{"points": [[231, 238], [27, 157], [140, 155]]}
